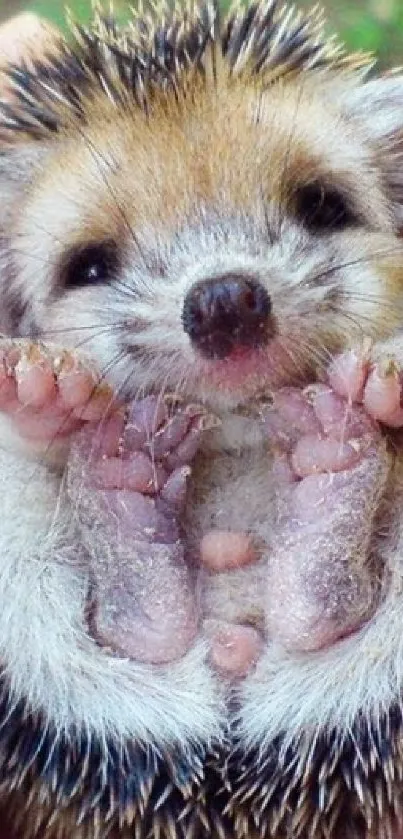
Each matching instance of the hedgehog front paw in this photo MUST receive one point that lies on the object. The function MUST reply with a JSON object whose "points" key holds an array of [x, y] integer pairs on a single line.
{"points": [[127, 481], [48, 393]]}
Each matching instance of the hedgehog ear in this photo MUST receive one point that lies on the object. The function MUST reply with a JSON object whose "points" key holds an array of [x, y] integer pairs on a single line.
{"points": [[378, 106]]}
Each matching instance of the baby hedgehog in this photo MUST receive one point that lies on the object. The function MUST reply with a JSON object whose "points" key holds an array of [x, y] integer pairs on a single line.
{"points": [[201, 577]]}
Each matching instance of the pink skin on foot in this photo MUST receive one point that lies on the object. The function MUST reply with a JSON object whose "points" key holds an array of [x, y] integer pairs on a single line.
{"points": [[144, 603], [322, 586], [330, 481], [222, 550], [234, 648], [348, 374]]}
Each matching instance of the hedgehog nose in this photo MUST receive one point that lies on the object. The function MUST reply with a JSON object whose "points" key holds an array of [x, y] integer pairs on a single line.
{"points": [[223, 313]]}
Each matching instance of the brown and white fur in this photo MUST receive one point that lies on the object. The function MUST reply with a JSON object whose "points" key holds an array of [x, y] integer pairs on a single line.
{"points": [[207, 177]]}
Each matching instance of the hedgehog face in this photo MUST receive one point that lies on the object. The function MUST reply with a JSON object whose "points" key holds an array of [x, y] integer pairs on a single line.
{"points": [[224, 243]]}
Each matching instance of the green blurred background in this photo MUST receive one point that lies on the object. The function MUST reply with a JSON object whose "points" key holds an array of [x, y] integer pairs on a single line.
{"points": [[375, 25]]}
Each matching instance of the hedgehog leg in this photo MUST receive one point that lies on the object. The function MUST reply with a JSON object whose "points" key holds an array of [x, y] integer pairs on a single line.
{"points": [[323, 581], [128, 486]]}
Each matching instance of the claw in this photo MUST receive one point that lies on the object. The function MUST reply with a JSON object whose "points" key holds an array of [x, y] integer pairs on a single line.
{"points": [[387, 368]]}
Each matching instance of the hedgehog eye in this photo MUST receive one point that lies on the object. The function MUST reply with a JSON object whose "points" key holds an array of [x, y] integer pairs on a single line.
{"points": [[321, 208], [92, 264]]}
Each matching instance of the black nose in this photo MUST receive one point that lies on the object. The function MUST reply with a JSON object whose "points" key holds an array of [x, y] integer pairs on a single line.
{"points": [[225, 312]]}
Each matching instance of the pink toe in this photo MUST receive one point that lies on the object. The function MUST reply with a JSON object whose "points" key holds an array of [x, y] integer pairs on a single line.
{"points": [[175, 489], [76, 388], [330, 409], [234, 649], [8, 390], [98, 406], [36, 384], [168, 436], [107, 435], [145, 416], [382, 396], [339, 418], [313, 455], [137, 474], [187, 448], [347, 375], [222, 550]]}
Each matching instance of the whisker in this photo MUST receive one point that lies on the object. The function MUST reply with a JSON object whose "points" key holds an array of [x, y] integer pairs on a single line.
{"points": [[295, 357], [358, 321], [293, 351], [87, 340], [340, 266], [321, 354], [66, 330], [387, 305], [106, 369], [124, 288]]}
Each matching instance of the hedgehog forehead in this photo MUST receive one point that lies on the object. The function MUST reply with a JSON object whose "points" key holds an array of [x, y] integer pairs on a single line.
{"points": [[170, 49], [227, 153]]}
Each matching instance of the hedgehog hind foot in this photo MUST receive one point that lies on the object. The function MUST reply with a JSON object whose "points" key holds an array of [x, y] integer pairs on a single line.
{"points": [[127, 482]]}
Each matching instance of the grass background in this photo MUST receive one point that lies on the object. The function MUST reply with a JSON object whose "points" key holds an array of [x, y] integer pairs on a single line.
{"points": [[375, 25]]}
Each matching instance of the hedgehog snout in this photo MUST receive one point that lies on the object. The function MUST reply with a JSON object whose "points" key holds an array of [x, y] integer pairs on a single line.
{"points": [[226, 312]]}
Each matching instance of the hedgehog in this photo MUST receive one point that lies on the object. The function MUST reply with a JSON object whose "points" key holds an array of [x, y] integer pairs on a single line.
{"points": [[200, 411]]}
